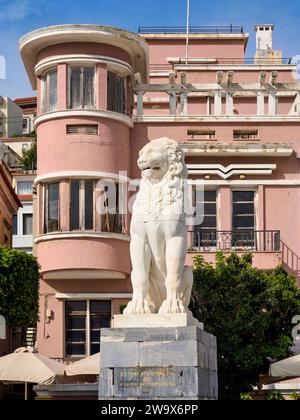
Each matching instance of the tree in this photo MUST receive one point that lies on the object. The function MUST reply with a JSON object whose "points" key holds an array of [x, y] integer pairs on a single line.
{"points": [[30, 157], [19, 287], [250, 312]]}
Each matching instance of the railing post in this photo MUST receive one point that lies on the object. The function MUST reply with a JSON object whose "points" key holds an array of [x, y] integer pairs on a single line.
{"points": [[218, 103], [172, 102], [140, 103]]}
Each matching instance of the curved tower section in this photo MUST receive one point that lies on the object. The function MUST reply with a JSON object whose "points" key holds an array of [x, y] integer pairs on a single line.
{"points": [[84, 77]]}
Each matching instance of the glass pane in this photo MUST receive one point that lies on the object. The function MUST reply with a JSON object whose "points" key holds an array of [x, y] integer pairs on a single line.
{"points": [[52, 212], [52, 90], [76, 336], [101, 306], [210, 208], [243, 196], [27, 224], [74, 207], [88, 88], [76, 350], [75, 87], [209, 222], [75, 322], [100, 322], [95, 348], [15, 225], [210, 196], [24, 187], [95, 336], [89, 205], [111, 91], [247, 208], [243, 222], [75, 306]]}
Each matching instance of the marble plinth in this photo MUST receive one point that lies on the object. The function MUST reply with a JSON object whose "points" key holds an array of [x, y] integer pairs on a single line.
{"points": [[158, 363]]}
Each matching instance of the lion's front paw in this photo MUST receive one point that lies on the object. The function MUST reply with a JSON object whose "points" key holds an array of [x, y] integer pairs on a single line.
{"points": [[138, 307], [172, 306]]}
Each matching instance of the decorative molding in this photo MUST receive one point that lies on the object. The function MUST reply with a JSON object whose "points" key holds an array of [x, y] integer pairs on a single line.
{"points": [[238, 149], [236, 67], [226, 172], [93, 296], [113, 63], [215, 119], [84, 235], [247, 183], [55, 176], [79, 113]]}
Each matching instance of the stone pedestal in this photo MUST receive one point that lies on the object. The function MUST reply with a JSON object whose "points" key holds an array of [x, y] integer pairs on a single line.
{"points": [[158, 363]]}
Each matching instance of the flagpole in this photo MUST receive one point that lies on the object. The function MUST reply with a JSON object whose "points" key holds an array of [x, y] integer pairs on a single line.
{"points": [[187, 31]]}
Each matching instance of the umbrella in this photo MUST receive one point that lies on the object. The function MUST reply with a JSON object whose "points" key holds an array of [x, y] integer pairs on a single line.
{"points": [[286, 367], [29, 366], [88, 366]]}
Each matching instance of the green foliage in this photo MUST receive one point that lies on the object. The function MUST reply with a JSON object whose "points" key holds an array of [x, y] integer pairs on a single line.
{"points": [[296, 396], [274, 396], [246, 397], [122, 308], [30, 135], [19, 287], [30, 158], [250, 313]]}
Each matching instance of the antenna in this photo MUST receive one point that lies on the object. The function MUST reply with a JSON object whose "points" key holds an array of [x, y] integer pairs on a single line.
{"points": [[187, 31]]}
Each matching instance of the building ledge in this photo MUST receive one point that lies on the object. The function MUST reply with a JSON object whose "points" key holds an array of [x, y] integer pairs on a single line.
{"points": [[239, 149], [83, 113], [216, 119], [80, 235]]}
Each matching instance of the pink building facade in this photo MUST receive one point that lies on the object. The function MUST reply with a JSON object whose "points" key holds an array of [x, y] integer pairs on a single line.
{"points": [[103, 93]]}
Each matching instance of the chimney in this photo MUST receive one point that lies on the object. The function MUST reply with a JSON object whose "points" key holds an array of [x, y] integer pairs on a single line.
{"points": [[264, 37], [264, 45]]}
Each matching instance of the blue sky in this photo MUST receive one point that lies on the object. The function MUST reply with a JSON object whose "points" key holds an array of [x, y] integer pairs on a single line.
{"points": [[18, 17]]}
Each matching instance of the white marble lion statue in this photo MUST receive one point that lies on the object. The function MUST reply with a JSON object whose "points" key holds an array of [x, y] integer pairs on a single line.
{"points": [[161, 282]]}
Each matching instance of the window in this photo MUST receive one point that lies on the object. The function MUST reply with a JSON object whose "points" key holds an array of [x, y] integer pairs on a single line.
{"points": [[201, 135], [15, 225], [24, 187], [82, 129], [116, 93], [50, 91], [243, 218], [206, 233], [52, 208], [82, 210], [27, 224], [25, 125], [245, 135], [83, 323], [82, 89]]}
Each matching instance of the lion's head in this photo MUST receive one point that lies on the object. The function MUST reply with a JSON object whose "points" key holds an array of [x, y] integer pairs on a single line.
{"points": [[162, 159]]}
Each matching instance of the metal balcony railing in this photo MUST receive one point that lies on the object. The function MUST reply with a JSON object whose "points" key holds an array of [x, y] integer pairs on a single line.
{"points": [[229, 29], [204, 240]]}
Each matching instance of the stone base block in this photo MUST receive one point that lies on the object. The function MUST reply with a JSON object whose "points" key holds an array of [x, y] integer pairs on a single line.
{"points": [[156, 321], [158, 363]]}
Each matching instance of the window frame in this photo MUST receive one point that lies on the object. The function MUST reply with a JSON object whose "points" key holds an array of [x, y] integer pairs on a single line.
{"points": [[218, 221], [82, 66], [45, 79], [23, 216], [255, 213], [46, 207], [88, 343], [82, 220]]}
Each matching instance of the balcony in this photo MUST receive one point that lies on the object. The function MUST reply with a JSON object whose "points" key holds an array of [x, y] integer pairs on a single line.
{"points": [[229, 29], [265, 246], [235, 241]]}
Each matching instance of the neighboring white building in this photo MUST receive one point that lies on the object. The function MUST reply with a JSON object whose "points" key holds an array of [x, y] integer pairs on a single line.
{"points": [[11, 118], [22, 224]]}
